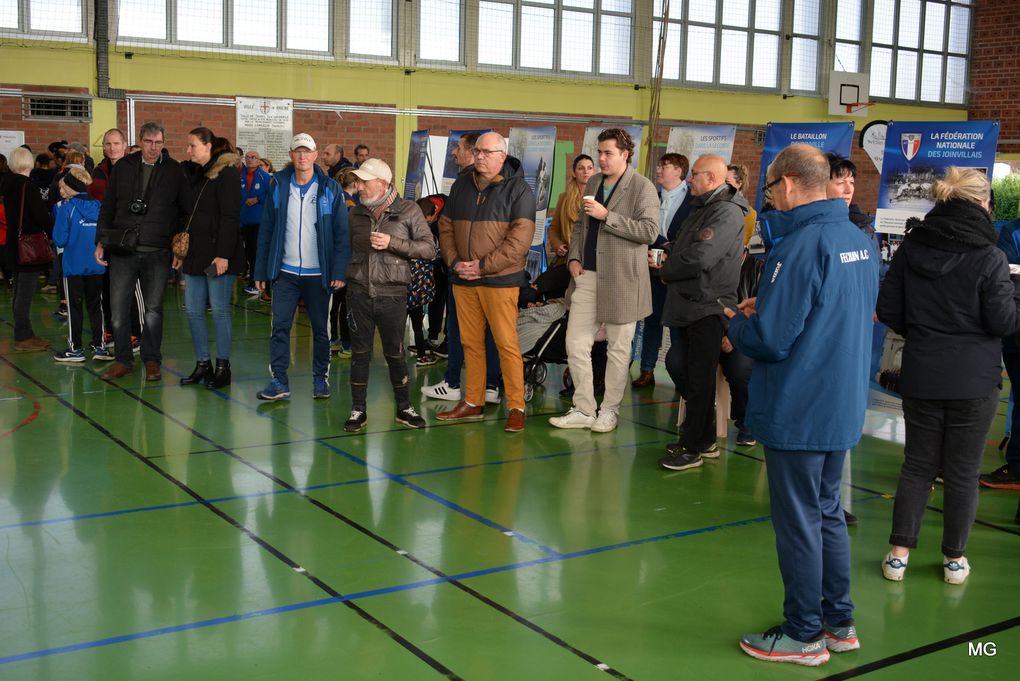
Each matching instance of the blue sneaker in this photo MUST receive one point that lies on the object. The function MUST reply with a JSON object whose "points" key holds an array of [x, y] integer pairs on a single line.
{"points": [[100, 353], [839, 639], [320, 389], [70, 356], [276, 390], [775, 646]]}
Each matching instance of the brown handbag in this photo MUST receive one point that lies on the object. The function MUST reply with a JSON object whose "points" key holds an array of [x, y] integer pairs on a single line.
{"points": [[34, 248], [182, 240]]}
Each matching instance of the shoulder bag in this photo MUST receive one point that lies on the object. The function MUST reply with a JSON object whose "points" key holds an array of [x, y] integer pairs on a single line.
{"points": [[34, 248], [182, 240]]}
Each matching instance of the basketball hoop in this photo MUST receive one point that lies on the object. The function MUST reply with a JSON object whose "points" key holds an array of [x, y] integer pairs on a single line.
{"points": [[854, 107]]}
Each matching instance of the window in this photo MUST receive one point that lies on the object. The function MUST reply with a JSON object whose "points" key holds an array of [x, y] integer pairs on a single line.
{"points": [[731, 43], [919, 50], [849, 29], [306, 24], [804, 56], [57, 108], [42, 16], [370, 28], [439, 27], [580, 37]]}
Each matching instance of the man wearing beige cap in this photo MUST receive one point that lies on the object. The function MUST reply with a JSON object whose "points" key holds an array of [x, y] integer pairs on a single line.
{"points": [[303, 249], [387, 232]]}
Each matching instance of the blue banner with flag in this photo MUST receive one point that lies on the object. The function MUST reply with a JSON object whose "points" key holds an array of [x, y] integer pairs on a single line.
{"points": [[917, 154], [837, 138]]}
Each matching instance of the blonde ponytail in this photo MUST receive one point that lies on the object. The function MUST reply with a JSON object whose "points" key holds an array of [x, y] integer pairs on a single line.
{"points": [[965, 184]]}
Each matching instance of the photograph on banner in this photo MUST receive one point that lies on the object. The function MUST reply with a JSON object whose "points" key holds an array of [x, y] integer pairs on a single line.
{"points": [[10, 140], [591, 142], [837, 138], [886, 360], [415, 164], [917, 154], [450, 169], [695, 141], [535, 148], [266, 126]]}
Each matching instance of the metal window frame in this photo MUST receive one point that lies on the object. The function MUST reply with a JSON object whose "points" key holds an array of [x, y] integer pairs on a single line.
{"points": [[26, 105], [345, 35], [462, 43], [24, 30]]}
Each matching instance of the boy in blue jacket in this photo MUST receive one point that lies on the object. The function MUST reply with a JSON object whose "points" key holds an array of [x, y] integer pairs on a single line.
{"points": [[74, 230], [809, 334]]}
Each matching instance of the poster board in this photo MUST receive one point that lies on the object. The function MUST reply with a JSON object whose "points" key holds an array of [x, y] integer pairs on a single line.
{"points": [[267, 126]]}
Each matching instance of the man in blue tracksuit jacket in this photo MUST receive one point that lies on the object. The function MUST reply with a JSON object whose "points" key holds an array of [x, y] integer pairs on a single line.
{"points": [[809, 334], [254, 190], [303, 249]]}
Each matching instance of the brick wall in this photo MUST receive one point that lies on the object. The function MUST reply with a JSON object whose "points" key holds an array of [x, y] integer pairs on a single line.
{"points": [[39, 133], [995, 69]]}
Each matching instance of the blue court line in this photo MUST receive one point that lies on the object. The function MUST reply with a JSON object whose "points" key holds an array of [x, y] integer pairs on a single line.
{"points": [[201, 624]]}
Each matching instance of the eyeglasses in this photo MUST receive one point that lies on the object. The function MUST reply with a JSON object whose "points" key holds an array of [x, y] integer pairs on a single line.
{"points": [[698, 172], [766, 191], [487, 152]]}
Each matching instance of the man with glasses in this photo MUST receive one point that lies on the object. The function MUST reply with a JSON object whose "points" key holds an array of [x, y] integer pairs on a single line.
{"points": [[809, 333], [303, 250], [145, 202], [254, 190], [701, 275], [485, 233]]}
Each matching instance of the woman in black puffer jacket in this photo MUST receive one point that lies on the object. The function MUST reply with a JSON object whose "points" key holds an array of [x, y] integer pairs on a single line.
{"points": [[948, 293], [216, 252]]}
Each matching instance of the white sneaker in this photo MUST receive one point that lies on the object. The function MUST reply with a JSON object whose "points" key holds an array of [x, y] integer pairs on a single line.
{"points": [[893, 567], [573, 419], [441, 391], [955, 570], [605, 422], [492, 395]]}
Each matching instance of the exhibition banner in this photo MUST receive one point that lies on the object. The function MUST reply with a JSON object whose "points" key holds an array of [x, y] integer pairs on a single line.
{"points": [[695, 141], [917, 154], [591, 142], [535, 148], [10, 140], [415, 163], [265, 125], [837, 138], [450, 169]]}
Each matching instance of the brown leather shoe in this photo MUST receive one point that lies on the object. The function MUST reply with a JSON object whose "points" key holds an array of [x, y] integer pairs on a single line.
{"points": [[116, 370], [462, 412], [152, 372], [514, 421], [646, 379], [33, 344]]}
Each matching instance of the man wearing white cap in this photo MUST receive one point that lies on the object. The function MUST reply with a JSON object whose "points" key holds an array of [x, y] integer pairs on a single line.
{"points": [[387, 232], [303, 249]]}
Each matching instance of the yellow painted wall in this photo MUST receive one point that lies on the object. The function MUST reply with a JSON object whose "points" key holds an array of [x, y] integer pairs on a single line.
{"points": [[198, 73]]}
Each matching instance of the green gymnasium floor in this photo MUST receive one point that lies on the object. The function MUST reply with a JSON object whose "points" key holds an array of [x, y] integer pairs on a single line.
{"points": [[153, 532]]}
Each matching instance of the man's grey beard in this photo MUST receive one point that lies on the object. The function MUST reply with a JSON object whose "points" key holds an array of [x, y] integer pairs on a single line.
{"points": [[372, 203]]}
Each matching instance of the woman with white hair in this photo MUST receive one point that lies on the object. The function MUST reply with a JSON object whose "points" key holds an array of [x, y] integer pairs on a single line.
{"points": [[26, 214]]}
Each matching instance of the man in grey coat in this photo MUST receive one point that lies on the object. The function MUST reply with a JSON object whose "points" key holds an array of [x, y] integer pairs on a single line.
{"points": [[701, 276], [608, 263]]}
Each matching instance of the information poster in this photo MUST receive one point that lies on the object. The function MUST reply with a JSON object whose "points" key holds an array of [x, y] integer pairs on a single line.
{"points": [[837, 138], [695, 141], [267, 126], [416, 156], [917, 154], [535, 149], [10, 140], [450, 169]]}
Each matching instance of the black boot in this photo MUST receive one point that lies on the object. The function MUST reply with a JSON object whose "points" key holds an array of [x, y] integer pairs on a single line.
{"points": [[221, 377], [203, 371]]}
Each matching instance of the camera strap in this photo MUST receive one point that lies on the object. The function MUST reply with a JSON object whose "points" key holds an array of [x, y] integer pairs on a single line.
{"points": [[148, 186]]}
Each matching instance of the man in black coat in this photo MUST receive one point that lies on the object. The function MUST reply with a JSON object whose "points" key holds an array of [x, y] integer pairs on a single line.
{"points": [[143, 208]]}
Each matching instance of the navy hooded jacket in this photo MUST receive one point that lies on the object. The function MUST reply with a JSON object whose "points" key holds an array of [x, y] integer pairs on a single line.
{"points": [[810, 337]]}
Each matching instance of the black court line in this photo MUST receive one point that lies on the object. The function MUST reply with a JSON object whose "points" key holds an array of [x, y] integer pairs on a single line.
{"points": [[388, 544], [223, 515], [927, 649]]}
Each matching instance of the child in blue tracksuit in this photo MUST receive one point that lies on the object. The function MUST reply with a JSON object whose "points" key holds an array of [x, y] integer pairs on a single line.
{"points": [[74, 230]]}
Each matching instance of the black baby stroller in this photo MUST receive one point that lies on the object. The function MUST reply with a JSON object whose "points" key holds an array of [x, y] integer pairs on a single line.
{"points": [[550, 347]]}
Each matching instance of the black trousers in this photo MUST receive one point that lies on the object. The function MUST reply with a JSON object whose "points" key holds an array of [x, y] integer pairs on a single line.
{"points": [[417, 317], [89, 289], [699, 345], [135, 316], [338, 326], [437, 308], [946, 434], [24, 290], [250, 235], [389, 315]]}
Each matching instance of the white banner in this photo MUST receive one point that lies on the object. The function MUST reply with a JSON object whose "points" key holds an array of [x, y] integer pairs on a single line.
{"points": [[535, 148], [695, 141], [267, 126], [10, 140]]}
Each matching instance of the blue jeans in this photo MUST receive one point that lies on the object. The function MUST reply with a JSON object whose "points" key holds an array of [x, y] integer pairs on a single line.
{"points": [[287, 290], [199, 291], [651, 339], [811, 539], [455, 360]]}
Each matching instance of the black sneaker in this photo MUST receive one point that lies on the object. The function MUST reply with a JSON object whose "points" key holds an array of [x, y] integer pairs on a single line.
{"points": [[745, 439], [356, 422], [441, 349], [710, 451], [1001, 478], [681, 460], [410, 418]]}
